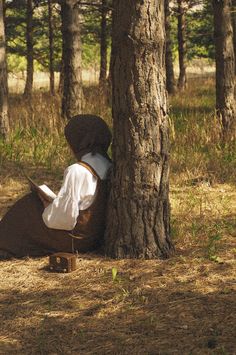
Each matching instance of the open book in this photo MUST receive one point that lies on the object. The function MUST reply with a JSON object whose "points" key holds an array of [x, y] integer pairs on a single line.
{"points": [[42, 190]]}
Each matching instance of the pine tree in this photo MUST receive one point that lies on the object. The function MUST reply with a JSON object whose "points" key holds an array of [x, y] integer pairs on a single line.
{"points": [[72, 72], [170, 78], [182, 81], [30, 50], [225, 67], [103, 43], [4, 118], [51, 47], [139, 210]]}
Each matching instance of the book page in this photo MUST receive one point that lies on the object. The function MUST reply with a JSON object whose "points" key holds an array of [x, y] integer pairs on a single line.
{"points": [[43, 190], [47, 191]]}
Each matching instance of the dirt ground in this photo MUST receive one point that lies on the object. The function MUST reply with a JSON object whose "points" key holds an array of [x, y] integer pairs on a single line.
{"points": [[184, 305]]}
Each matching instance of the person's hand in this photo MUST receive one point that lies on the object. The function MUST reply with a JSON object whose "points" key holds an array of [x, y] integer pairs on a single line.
{"points": [[44, 201]]}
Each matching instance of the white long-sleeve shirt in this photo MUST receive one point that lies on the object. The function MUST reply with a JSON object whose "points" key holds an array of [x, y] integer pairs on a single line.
{"points": [[77, 192]]}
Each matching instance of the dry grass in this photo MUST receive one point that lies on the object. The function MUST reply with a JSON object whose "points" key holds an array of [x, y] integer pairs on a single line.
{"points": [[184, 305], [172, 307]]}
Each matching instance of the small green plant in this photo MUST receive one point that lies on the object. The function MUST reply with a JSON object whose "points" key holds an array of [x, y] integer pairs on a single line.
{"points": [[114, 272], [212, 247]]}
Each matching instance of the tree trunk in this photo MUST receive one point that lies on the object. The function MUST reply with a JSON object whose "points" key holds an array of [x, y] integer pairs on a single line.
{"points": [[170, 78], [234, 29], [139, 210], [182, 81], [72, 78], [103, 44], [4, 12], [30, 55], [109, 78], [51, 46], [225, 67], [61, 79], [4, 118]]}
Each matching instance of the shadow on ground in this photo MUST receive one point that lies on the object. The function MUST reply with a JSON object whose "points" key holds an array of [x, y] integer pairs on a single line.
{"points": [[152, 308]]}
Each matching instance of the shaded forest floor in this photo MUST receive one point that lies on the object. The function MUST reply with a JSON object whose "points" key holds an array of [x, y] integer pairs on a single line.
{"points": [[184, 305]]}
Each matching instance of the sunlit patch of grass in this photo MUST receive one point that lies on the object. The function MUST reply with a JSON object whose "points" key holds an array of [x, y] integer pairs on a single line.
{"points": [[37, 129], [37, 132], [203, 219], [195, 135], [34, 146]]}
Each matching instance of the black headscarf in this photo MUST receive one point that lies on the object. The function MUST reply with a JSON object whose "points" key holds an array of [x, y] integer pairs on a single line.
{"points": [[88, 134]]}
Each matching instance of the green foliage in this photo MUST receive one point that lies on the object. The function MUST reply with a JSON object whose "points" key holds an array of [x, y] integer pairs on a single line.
{"points": [[199, 31], [199, 20], [16, 35], [90, 55], [91, 34], [41, 45], [16, 63]]}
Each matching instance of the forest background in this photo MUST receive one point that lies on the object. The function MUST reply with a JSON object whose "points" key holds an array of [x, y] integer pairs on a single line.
{"points": [[199, 59], [183, 305]]}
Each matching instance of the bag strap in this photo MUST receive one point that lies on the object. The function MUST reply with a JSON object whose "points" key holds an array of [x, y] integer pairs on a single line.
{"points": [[89, 168]]}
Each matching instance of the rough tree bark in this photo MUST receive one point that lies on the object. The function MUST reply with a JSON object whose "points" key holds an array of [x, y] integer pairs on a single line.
{"points": [[225, 67], [139, 210], [234, 29], [182, 81], [4, 118], [103, 44], [30, 50], [170, 78], [51, 47], [72, 72]]}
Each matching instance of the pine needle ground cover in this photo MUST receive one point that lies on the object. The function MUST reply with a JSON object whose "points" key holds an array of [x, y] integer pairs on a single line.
{"points": [[184, 305]]}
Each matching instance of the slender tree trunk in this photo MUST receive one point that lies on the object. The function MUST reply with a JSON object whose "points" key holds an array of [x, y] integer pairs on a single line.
{"points": [[234, 29], [170, 78], [139, 211], [225, 67], [4, 117], [109, 78], [182, 81], [51, 47], [72, 86], [30, 54], [4, 12], [103, 44], [61, 79]]}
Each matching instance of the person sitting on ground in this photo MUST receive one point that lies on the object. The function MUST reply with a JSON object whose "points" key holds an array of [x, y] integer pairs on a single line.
{"points": [[75, 220]]}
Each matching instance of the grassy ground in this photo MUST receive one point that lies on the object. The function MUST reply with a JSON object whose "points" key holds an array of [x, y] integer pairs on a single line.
{"points": [[184, 305]]}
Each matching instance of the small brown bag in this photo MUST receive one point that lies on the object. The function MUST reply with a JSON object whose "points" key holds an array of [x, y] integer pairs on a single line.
{"points": [[62, 262]]}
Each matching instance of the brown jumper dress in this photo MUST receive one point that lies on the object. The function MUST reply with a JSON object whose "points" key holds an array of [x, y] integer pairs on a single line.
{"points": [[23, 232]]}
